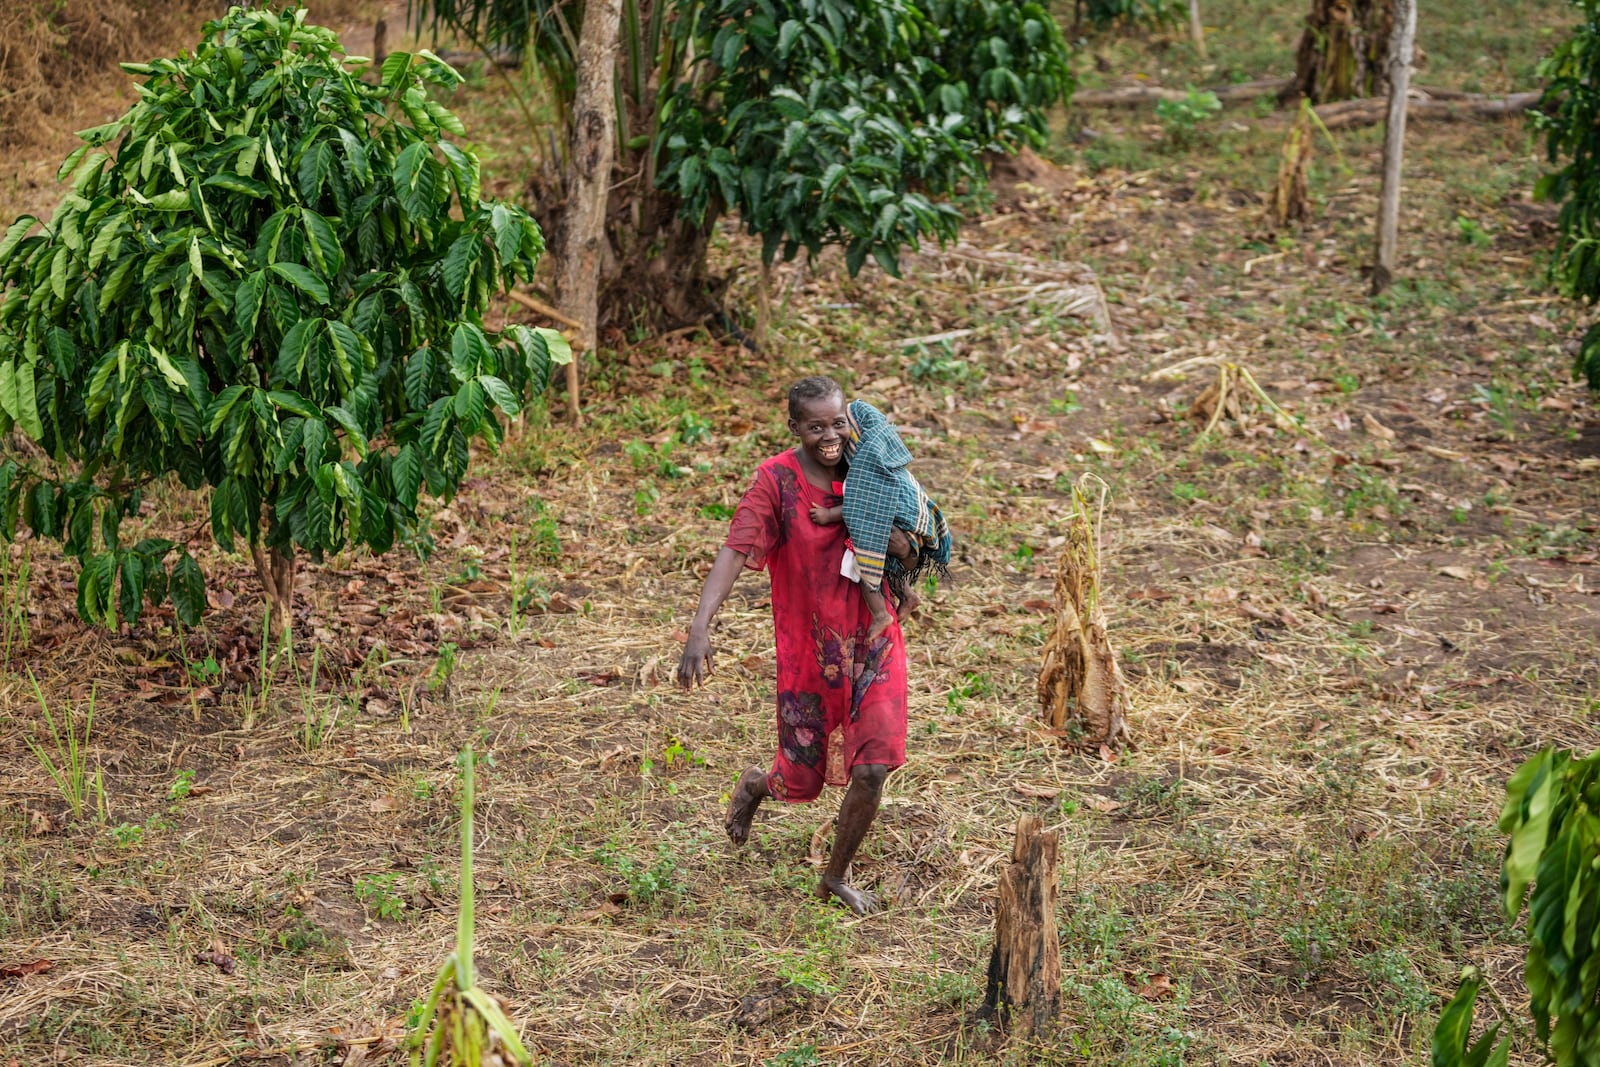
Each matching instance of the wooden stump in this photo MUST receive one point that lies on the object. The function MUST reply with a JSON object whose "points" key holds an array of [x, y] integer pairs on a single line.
{"points": [[1024, 991]]}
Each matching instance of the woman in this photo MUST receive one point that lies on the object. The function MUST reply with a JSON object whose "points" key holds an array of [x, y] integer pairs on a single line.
{"points": [[841, 700]]}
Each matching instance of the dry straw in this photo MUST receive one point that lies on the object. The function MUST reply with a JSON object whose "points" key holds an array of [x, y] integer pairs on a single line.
{"points": [[1081, 687]]}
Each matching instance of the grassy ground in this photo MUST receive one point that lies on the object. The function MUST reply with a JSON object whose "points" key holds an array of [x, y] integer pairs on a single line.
{"points": [[1340, 641]]}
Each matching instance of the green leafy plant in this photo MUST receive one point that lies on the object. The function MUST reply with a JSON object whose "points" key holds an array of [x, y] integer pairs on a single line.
{"points": [[381, 894], [1471, 232], [1181, 119], [1552, 817], [454, 1025], [1569, 117], [127, 834], [659, 880], [1452, 1038], [181, 786], [444, 668], [267, 279]]}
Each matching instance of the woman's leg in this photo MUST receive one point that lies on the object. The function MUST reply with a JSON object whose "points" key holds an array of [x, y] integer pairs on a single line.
{"points": [[856, 813]]}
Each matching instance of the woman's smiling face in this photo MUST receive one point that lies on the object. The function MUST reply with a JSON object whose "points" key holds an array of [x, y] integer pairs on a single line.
{"points": [[822, 428]]}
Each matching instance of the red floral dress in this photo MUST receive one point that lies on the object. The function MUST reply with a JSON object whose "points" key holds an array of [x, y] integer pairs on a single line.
{"points": [[840, 703]]}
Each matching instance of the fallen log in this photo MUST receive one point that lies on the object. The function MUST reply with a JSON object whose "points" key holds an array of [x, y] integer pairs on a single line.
{"points": [[1024, 990], [1445, 104], [1451, 109], [1140, 95]]}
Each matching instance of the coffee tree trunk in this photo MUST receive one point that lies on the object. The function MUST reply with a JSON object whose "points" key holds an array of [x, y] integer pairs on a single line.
{"points": [[276, 571], [1343, 52], [1394, 142], [590, 155], [1024, 990]]}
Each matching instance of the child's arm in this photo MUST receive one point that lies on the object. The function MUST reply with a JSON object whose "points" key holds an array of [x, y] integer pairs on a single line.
{"points": [[826, 516], [881, 619]]}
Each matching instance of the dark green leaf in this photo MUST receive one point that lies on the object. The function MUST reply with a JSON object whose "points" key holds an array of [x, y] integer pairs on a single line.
{"points": [[187, 588], [302, 279]]}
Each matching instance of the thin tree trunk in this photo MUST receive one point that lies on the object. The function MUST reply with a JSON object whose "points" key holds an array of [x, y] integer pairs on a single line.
{"points": [[276, 572], [589, 161], [380, 43], [1394, 141], [1024, 986], [764, 305], [1197, 32]]}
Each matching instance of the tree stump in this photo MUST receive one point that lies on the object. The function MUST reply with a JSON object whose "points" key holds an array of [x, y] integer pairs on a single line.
{"points": [[1343, 51], [1024, 991]]}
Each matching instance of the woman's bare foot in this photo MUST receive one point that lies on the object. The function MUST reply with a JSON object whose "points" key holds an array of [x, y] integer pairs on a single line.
{"points": [[857, 900], [747, 797], [910, 602]]}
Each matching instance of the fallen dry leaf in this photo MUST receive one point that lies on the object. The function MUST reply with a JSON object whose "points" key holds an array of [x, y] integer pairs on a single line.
{"points": [[216, 956], [605, 910], [386, 803], [1159, 986], [1037, 792], [1376, 428], [1104, 804], [817, 854], [1444, 453], [1462, 574], [1150, 592], [1038, 605], [23, 970]]}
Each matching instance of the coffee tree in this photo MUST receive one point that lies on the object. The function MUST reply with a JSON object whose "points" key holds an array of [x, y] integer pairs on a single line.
{"points": [[1569, 117], [847, 123], [267, 280], [818, 122]]}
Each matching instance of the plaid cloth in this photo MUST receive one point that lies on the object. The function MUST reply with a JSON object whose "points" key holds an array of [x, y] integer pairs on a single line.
{"points": [[879, 494]]}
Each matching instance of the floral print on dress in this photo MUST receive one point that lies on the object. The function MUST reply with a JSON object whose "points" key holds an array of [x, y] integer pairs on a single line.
{"points": [[789, 499], [872, 669], [834, 652], [801, 725]]}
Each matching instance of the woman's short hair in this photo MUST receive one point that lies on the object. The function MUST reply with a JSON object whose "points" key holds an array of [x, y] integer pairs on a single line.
{"points": [[808, 389]]}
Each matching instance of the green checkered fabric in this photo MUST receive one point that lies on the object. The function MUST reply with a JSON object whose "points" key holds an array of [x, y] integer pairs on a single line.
{"points": [[880, 494]]}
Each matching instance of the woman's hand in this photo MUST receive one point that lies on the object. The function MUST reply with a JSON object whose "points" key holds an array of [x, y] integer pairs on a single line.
{"points": [[696, 665]]}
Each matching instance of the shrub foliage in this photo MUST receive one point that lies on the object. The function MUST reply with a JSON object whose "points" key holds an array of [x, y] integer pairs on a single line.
{"points": [[268, 280]]}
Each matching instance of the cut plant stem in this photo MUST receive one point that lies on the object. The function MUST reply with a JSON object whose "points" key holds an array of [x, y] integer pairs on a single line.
{"points": [[1081, 689]]}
